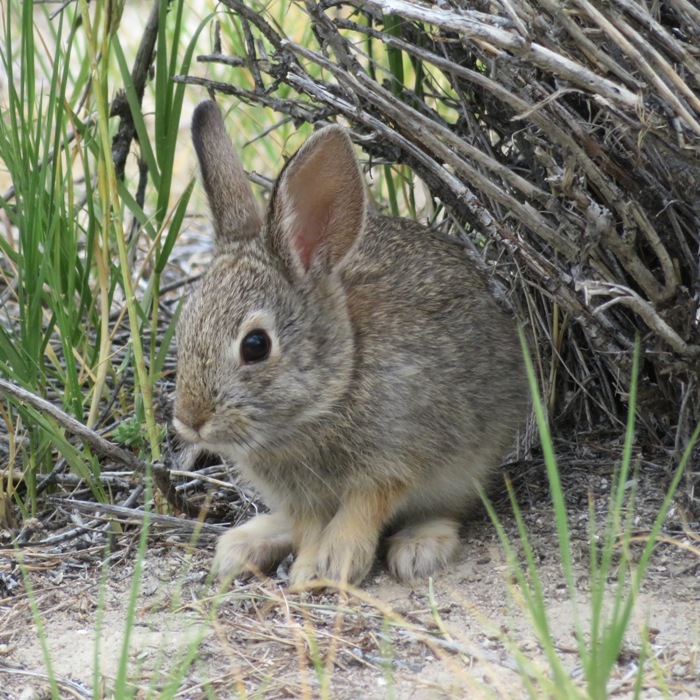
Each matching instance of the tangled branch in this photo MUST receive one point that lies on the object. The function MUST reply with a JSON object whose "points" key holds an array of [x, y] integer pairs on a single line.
{"points": [[575, 150]]}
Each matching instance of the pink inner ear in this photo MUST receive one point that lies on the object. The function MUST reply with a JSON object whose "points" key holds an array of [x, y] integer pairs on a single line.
{"points": [[305, 247], [320, 201], [310, 231]]}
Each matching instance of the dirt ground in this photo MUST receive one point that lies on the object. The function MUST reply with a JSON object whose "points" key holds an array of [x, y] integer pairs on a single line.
{"points": [[386, 641]]}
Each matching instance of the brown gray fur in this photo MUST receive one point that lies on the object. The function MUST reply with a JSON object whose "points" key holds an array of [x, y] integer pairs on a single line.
{"points": [[393, 387]]}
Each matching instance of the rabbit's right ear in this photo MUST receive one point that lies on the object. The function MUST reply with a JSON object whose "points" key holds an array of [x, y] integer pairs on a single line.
{"points": [[233, 206], [319, 205]]}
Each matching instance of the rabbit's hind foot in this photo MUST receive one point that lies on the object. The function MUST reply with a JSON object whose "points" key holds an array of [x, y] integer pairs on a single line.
{"points": [[418, 551]]}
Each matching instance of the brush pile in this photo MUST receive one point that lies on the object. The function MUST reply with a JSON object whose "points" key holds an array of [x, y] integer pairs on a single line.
{"points": [[561, 138]]}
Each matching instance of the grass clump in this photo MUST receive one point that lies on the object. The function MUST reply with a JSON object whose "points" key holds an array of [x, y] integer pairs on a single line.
{"points": [[616, 571], [86, 239]]}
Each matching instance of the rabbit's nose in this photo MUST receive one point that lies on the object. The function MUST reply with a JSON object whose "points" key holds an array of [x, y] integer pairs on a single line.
{"points": [[192, 420], [199, 421]]}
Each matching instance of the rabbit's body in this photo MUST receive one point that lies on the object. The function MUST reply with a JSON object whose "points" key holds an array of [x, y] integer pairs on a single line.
{"points": [[392, 387]]}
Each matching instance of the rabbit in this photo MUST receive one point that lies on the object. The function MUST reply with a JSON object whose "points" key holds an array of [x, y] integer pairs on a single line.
{"points": [[352, 366]]}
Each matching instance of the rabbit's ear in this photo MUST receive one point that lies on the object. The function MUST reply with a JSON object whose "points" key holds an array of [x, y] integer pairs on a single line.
{"points": [[233, 206], [318, 208]]}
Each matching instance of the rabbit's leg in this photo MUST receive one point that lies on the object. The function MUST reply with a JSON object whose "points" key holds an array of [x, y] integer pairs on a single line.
{"points": [[258, 545], [349, 542], [418, 551], [306, 533]]}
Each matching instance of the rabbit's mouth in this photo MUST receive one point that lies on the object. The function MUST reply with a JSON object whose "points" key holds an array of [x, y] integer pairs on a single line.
{"points": [[235, 446], [186, 432]]}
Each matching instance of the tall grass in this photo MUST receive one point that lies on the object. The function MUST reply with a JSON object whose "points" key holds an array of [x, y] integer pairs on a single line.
{"points": [[68, 255], [48, 252], [615, 574]]}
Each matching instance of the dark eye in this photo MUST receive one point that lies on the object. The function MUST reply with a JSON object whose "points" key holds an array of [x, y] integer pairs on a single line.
{"points": [[255, 347]]}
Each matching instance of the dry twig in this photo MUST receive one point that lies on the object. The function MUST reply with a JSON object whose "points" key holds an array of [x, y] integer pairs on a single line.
{"points": [[103, 447]]}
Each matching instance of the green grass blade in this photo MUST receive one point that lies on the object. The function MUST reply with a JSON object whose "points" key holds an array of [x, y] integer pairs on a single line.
{"points": [[174, 228], [144, 138], [122, 687]]}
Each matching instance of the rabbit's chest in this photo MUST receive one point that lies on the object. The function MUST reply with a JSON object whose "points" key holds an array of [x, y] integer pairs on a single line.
{"points": [[299, 484]]}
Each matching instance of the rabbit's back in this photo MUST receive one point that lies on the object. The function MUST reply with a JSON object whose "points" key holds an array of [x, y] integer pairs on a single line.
{"points": [[440, 380]]}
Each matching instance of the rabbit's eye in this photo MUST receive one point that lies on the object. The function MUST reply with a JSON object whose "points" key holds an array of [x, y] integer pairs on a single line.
{"points": [[256, 346]]}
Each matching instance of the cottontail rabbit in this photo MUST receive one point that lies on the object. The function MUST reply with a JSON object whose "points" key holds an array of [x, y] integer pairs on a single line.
{"points": [[353, 367]]}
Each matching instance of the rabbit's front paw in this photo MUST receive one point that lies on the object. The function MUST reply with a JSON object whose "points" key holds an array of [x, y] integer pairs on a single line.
{"points": [[304, 567], [345, 558], [302, 573], [349, 541], [257, 546], [418, 551]]}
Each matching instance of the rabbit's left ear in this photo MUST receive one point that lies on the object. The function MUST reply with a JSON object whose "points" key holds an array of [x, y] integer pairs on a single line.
{"points": [[234, 209], [319, 205]]}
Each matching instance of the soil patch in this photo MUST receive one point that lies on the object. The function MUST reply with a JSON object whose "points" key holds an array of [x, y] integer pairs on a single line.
{"points": [[458, 638]]}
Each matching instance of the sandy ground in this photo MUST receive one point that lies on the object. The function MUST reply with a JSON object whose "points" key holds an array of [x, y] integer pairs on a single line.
{"points": [[385, 641]]}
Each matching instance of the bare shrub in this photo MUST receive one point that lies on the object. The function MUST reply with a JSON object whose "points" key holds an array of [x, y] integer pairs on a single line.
{"points": [[564, 137]]}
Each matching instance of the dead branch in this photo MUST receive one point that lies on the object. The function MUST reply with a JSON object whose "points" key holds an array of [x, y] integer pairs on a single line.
{"points": [[104, 448], [570, 141]]}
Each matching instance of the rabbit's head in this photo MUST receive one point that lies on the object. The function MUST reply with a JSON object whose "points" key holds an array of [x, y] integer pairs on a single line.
{"points": [[265, 344]]}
